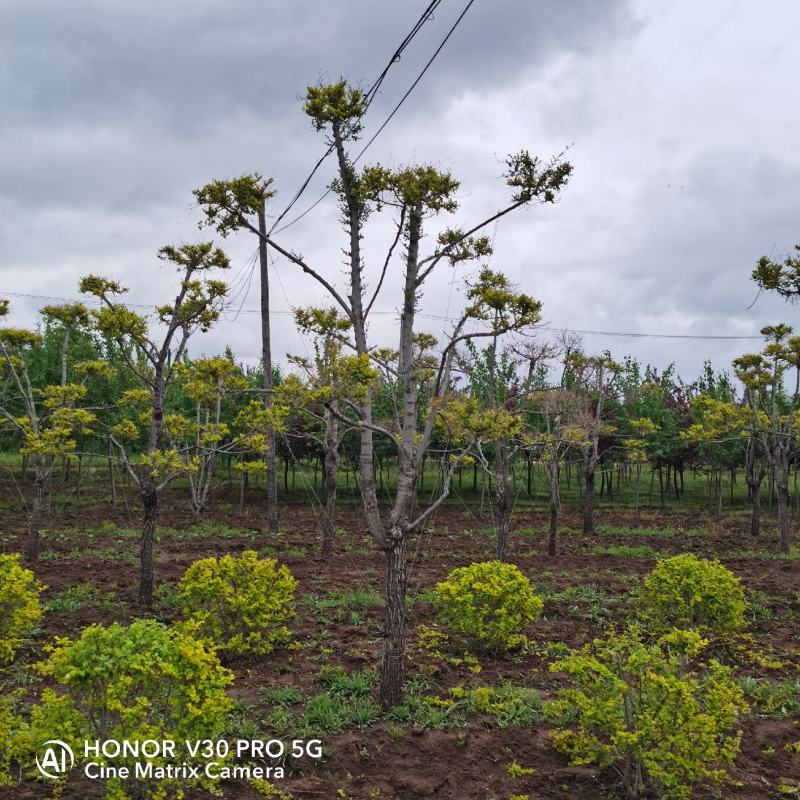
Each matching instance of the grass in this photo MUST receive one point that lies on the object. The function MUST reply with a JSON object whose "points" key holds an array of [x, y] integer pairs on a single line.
{"points": [[76, 598], [364, 597], [758, 605], [347, 703], [652, 532], [772, 700], [166, 596], [626, 551], [205, 530], [589, 600], [104, 553], [283, 696], [769, 555]]}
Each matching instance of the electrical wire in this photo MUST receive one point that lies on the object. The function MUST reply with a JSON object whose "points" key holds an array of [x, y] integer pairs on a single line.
{"points": [[369, 96], [379, 131], [423, 315]]}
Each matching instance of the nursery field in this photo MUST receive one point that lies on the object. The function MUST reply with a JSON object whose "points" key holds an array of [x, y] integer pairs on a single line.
{"points": [[473, 723]]}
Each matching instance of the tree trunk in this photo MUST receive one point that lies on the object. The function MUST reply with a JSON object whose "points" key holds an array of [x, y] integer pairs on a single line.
{"points": [[502, 510], [783, 512], [266, 358], [394, 635], [552, 538], [111, 474], [755, 514], [150, 504], [588, 499], [35, 516], [330, 469]]}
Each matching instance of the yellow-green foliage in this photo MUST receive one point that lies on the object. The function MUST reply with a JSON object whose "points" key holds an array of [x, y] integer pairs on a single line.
{"points": [[241, 603], [137, 682], [690, 592], [490, 603], [13, 736], [20, 609], [644, 709]]}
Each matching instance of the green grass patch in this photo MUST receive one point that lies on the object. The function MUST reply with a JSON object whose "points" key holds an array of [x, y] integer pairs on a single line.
{"points": [[76, 598], [772, 700], [349, 599], [205, 530], [651, 532], [626, 551]]}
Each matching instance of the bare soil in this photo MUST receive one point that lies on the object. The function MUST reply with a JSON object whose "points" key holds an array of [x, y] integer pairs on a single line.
{"points": [[403, 762]]}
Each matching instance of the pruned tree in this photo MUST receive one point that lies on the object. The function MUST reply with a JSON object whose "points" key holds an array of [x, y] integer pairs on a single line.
{"points": [[636, 447], [323, 373], [495, 383], [200, 439], [415, 194], [47, 418], [140, 439], [593, 381], [774, 409], [230, 206]]}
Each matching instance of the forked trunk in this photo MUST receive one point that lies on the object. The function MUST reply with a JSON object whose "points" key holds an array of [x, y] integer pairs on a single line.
{"points": [[394, 635], [150, 504]]}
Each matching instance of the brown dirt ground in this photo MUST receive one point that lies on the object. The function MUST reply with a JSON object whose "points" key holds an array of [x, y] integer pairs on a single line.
{"points": [[460, 763]]}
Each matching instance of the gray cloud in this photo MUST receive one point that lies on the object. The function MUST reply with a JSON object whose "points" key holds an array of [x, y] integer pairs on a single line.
{"points": [[682, 117]]}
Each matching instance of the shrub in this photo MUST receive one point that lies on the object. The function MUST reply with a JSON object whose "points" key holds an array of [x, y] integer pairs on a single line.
{"points": [[133, 683], [13, 736], [690, 592], [241, 603], [490, 603], [642, 709], [20, 609]]}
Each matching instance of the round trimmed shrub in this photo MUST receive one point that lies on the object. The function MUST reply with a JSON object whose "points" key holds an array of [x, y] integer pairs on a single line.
{"points": [[695, 593], [489, 603], [241, 603], [144, 681], [20, 609]]}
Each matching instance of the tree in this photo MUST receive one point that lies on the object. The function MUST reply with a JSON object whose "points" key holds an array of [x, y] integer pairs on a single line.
{"points": [[415, 194], [494, 382], [554, 430], [196, 307], [643, 428], [329, 328], [772, 410], [71, 316], [201, 438], [594, 378], [230, 206], [47, 418]]}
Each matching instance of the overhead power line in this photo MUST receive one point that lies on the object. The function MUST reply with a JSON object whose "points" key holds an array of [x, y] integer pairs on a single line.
{"points": [[444, 318]]}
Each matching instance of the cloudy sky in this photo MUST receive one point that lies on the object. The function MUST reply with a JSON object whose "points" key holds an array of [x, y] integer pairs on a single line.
{"points": [[681, 120]]}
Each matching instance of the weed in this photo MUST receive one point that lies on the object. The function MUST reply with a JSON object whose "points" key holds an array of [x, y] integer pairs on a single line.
{"points": [[76, 598], [282, 695], [626, 551]]}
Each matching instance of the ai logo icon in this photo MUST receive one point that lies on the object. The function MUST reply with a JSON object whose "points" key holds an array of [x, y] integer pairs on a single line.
{"points": [[56, 760]]}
